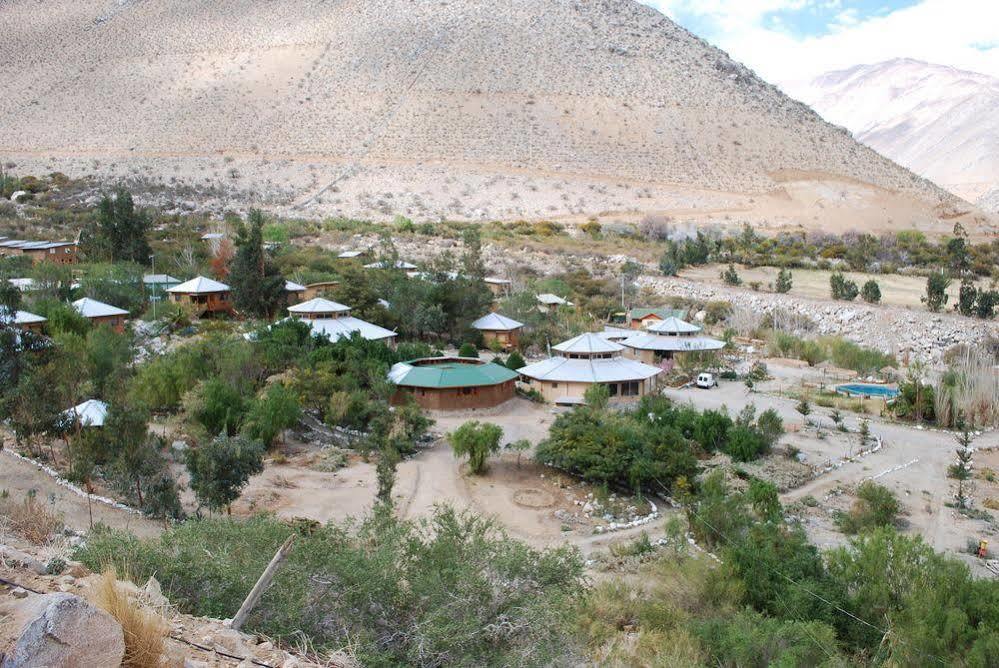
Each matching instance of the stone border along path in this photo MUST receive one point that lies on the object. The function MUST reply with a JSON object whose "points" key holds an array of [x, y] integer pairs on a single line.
{"points": [[62, 482]]}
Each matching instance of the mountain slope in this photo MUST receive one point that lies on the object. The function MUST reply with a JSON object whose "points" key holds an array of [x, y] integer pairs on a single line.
{"points": [[941, 122], [354, 106]]}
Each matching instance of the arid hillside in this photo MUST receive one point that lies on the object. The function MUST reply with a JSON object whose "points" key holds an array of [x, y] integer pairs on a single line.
{"points": [[459, 108]]}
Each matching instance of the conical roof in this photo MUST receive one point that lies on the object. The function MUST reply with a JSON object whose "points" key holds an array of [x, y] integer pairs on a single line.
{"points": [[588, 343], [673, 325]]}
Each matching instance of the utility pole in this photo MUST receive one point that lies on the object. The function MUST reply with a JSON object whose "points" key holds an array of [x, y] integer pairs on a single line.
{"points": [[153, 296]]}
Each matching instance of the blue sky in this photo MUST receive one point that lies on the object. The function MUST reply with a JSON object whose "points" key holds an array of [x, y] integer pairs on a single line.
{"points": [[789, 41]]}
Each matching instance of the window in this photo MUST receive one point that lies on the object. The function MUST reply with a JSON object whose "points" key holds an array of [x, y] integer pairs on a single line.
{"points": [[612, 388], [554, 385], [630, 389]]}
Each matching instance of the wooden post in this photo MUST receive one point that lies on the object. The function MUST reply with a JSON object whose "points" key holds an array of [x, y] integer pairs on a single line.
{"points": [[262, 584]]}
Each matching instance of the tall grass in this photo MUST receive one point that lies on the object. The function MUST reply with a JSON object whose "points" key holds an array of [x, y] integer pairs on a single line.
{"points": [[969, 389], [143, 628]]}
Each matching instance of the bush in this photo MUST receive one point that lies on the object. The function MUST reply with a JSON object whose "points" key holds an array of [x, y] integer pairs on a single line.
{"points": [[936, 291], [745, 444], [468, 350], [452, 590], [871, 292], [875, 507], [731, 276], [842, 289], [784, 282], [515, 361]]}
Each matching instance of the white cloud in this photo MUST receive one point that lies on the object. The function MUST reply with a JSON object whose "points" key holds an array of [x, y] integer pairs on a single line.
{"points": [[947, 32]]}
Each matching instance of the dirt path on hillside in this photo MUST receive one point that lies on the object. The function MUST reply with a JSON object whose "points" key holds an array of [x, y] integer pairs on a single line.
{"points": [[18, 477]]}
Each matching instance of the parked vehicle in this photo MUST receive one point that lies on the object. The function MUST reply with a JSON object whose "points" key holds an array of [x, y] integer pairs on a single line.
{"points": [[707, 381]]}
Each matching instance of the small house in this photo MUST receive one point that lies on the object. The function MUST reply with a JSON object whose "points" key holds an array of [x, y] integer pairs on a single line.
{"points": [[499, 329], [584, 361], [99, 313], [29, 322], [642, 318], [332, 320], [206, 295], [453, 383], [91, 413], [549, 303], [294, 292], [666, 339], [57, 252], [500, 287], [319, 289]]}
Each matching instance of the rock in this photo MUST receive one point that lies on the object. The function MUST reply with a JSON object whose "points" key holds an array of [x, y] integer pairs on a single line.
{"points": [[153, 594], [8, 553], [194, 663], [60, 630], [19, 592], [18, 195], [77, 570]]}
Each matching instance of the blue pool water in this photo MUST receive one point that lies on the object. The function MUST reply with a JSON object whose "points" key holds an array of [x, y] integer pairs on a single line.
{"points": [[863, 390]]}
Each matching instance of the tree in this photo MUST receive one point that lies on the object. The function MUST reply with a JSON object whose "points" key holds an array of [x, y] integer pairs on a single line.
{"points": [[961, 471], [271, 413], [875, 506], [118, 231], [967, 296], [731, 276], [871, 292], [134, 453], [597, 396], [985, 307], [783, 283], [257, 286], [842, 289], [468, 350], [804, 408], [217, 406], [221, 469], [936, 291], [520, 447], [477, 441], [515, 361]]}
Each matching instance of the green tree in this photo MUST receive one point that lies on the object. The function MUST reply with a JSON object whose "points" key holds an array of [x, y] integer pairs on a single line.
{"points": [[783, 283], [477, 441], [731, 276], [221, 468], [118, 232], [804, 408], [875, 506], [871, 292], [967, 297], [841, 288], [985, 307], [936, 291], [271, 413], [515, 361], [597, 396], [217, 406], [520, 447], [257, 286], [468, 350]]}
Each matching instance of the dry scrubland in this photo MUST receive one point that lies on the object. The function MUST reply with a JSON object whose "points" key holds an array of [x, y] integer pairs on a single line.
{"points": [[460, 109]]}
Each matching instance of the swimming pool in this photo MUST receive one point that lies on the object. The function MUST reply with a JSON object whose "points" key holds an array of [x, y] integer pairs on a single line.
{"points": [[865, 390]]}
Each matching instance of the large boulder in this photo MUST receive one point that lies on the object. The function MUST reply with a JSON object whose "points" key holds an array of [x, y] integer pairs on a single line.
{"points": [[58, 630]]}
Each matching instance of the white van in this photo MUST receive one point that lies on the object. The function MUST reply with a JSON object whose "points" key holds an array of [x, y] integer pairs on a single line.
{"points": [[707, 381]]}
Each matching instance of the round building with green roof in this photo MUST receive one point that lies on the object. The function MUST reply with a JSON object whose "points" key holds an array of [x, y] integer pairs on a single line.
{"points": [[452, 383]]}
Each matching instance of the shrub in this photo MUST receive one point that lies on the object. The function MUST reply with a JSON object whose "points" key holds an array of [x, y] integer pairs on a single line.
{"points": [[515, 361], [730, 276], [784, 282], [936, 291], [468, 350], [450, 590], [30, 519], [842, 289], [745, 444], [876, 506], [871, 292]]}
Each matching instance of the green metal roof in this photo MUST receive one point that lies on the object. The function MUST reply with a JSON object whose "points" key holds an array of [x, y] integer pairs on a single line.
{"points": [[639, 313], [448, 372]]}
